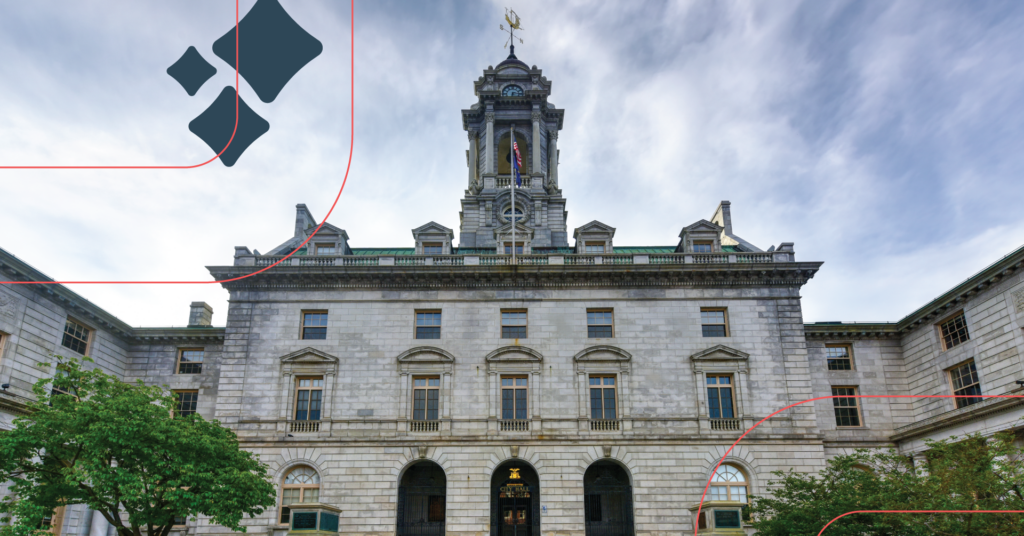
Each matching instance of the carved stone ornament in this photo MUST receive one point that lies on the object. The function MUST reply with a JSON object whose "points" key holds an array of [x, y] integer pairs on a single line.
{"points": [[7, 305], [553, 134], [472, 134], [514, 450], [550, 187], [1018, 300], [489, 117], [537, 117], [607, 451], [421, 451]]}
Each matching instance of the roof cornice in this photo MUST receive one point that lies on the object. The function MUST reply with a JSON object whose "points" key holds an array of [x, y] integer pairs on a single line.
{"points": [[15, 269], [550, 276], [945, 304]]}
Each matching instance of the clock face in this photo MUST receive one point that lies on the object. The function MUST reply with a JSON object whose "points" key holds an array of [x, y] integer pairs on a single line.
{"points": [[512, 91]]}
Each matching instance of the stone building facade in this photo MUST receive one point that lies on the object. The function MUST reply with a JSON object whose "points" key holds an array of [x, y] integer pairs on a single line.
{"points": [[584, 389]]}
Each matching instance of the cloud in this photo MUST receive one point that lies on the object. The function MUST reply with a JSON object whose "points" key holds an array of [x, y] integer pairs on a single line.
{"points": [[881, 138]]}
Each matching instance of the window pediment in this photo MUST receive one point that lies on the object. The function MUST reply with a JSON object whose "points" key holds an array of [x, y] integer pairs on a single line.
{"points": [[426, 359], [720, 357], [309, 360], [426, 354], [514, 358], [602, 358]]}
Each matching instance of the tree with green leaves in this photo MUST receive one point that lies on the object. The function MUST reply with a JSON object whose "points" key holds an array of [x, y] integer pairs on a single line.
{"points": [[122, 449], [966, 473]]}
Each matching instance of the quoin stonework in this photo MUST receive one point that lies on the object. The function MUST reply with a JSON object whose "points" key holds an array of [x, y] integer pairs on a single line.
{"points": [[588, 388]]}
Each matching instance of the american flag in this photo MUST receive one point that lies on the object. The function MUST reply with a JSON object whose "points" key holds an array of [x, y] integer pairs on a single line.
{"points": [[517, 163]]}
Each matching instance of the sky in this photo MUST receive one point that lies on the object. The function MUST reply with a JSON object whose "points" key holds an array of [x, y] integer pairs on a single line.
{"points": [[881, 137]]}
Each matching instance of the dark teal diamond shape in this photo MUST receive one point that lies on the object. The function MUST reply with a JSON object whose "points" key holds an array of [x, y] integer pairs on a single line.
{"points": [[272, 48], [215, 125], [191, 71]]}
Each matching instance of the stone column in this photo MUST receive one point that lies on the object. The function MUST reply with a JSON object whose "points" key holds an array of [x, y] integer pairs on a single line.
{"points": [[489, 146], [553, 156], [535, 389], [537, 117], [473, 159]]}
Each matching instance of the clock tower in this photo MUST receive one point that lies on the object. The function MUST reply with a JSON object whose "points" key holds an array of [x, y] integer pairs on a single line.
{"points": [[512, 98]]}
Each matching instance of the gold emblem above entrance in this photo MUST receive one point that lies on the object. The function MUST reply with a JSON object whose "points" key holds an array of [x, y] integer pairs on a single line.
{"points": [[514, 473]]}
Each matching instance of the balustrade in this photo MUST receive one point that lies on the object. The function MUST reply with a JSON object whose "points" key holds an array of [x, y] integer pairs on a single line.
{"points": [[424, 426], [604, 425], [513, 425], [301, 427], [725, 425]]}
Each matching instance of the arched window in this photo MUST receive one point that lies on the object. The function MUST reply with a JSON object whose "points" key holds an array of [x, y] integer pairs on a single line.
{"points": [[512, 91], [728, 484], [301, 485]]}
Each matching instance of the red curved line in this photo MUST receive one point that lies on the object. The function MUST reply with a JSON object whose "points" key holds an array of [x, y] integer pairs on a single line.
{"points": [[751, 429], [921, 512], [235, 131], [351, 146]]}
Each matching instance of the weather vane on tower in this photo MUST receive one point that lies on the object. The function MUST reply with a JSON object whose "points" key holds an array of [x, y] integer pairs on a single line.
{"points": [[513, 25]]}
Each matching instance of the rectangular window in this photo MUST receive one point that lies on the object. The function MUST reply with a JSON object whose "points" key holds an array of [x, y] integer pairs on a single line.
{"points": [[720, 397], [308, 398], [76, 337], [190, 361], [3, 342], [964, 379], [847, 409], [428, 324], [187, 402], [954, 331], [508, 248], [839, 356], [713, 322], [702, 246], [602, 397], [513, 324], [314, 325], [594, 247], [432, 248], [325, 249], [513, 397], [599, 323], [426, 396]]}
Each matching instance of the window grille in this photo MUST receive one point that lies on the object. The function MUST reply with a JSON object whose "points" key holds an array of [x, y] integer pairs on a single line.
{"points": [[428, 325], [954, 331], [713, 323], [847, 410], [76, 337], [602, 397], [314, 325], [839, 357], [965, 382], [720, 397], [513, 324], [599, 323]]}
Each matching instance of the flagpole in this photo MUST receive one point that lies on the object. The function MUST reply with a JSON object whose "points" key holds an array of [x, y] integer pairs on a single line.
{"points": [[512, 184]]}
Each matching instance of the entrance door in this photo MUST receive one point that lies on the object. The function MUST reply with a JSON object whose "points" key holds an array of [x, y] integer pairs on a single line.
{"points": [[421, 501], [607, 500], [515, 502]]}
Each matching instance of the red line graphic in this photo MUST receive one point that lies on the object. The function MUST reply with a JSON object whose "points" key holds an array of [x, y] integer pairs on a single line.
{"points": [[352, 134], [163, 167], [751, 429], [922, 512]]}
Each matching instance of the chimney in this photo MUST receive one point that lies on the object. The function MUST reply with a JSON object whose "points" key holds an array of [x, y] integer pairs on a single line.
{"points": [[723, 217], [200, 315], [303, 219]]}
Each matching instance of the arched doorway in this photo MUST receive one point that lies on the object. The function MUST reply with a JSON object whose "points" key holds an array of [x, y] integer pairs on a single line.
{"points": [[515, 500], [421, 501], [607, 500]]}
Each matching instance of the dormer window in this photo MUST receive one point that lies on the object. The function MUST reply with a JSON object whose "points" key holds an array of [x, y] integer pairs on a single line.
{"points": [[325, 249], [512, 91], [703, 246], [433, 248], [594, 247]]}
